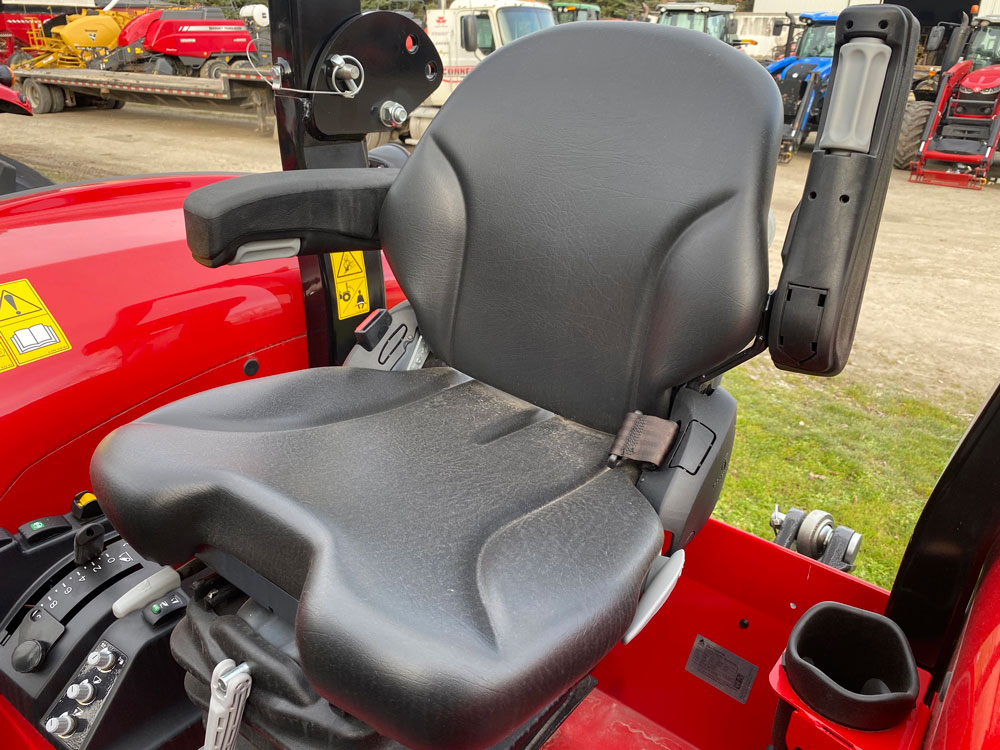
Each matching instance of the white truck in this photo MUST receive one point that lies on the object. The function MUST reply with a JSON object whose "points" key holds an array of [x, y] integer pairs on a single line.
{"points": [[464, 33]]}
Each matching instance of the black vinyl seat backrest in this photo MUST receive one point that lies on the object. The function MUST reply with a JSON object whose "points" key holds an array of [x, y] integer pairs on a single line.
{"points": [[592, 251]]}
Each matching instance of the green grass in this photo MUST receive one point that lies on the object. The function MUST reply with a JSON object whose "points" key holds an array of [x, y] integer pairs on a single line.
{"points": [[868, 456]]}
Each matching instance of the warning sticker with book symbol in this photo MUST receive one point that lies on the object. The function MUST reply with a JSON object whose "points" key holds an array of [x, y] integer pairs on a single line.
{"points": [[350, 283], [28, 332]]}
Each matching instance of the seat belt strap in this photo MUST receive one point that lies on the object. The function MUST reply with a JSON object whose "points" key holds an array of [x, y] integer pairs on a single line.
{"points": [[644, 439]]}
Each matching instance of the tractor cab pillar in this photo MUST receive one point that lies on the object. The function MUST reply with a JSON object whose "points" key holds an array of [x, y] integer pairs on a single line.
{"points": [[338, 75]]}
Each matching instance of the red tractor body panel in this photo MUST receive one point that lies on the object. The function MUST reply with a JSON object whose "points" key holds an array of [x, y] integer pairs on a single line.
{"points": [[195, 37], [984, 78], [969, 716], [14, 102], [136, 29], [146, 325]]}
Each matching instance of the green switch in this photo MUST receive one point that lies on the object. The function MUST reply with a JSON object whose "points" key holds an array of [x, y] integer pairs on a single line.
{"points": [[36, 525], [156, 609]]}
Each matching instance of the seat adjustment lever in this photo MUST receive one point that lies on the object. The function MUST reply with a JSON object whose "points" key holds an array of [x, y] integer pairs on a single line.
{"points": [[660, 581]]}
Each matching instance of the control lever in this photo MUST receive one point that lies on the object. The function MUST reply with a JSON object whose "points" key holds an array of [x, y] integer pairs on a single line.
{"points": [[230, 688], [88, 543], [162, 581]]}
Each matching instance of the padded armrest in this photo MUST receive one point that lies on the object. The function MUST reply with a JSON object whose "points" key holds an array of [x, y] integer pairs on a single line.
{"points": [[281, 214]]}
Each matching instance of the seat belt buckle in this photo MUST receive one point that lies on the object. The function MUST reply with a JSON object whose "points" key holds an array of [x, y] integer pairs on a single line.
{"points": [[644, 439]]}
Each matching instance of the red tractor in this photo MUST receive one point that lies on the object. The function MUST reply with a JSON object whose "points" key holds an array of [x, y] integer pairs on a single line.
{"points": [[480, 517], [18, 17], [958, 133]]}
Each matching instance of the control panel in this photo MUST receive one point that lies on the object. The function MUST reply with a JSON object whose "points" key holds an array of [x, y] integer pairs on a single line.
{"points": [[116, 561], [85, 626], [76, 712]]}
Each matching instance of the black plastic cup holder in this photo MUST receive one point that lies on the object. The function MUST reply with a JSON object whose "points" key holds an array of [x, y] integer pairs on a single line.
{"points": [[852, 667]]}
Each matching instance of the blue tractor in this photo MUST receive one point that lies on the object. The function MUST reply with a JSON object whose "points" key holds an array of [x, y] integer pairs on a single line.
{"points": [[802, 78]]}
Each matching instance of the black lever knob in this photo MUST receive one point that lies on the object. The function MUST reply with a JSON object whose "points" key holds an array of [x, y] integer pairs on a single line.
{"points": [[88, 543], [28, 655]]}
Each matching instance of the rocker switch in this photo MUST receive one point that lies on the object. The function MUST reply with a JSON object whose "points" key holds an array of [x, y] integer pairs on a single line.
{"points": [[42, 528]]}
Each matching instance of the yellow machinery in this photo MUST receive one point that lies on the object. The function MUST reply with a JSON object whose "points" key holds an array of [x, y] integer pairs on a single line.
{"points": [[72, 44]]}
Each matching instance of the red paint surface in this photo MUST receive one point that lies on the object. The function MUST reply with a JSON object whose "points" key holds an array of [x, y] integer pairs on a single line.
{"points": [[14, 103], [14, 31], [729, 576], [968, 717], [810, 731], [194, 37], [146, 323], [984, 78], [16, 732], [602, 723]]}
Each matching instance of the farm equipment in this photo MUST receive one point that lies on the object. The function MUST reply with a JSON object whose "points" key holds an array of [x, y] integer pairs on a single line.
{"points": [[165, 42], [152, 60], [463, 34], [715, 20], [959, 132], [571, 12], [802, 79], [471, 554], [19, 17]]}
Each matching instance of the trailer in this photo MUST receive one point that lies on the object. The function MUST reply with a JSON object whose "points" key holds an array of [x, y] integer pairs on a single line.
{"points": [[52, 90]]}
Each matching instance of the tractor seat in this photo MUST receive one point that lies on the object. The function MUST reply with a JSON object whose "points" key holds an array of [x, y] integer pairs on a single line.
{"points": [[460, 555], [577, 242]]}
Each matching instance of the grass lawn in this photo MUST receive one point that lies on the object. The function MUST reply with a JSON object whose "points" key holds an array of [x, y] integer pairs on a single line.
{"points": [[868, 455]]}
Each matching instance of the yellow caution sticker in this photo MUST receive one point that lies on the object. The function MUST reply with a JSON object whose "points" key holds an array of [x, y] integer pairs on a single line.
{"points": [[6, 362], [28, 331], [350, 283]]}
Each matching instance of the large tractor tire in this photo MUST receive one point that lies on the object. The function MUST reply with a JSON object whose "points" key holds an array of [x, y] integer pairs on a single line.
{"points": [[39, 96], [911, 132], [58, 98]]}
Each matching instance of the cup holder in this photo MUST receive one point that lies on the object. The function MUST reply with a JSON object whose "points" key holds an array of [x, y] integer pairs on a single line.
{"points": [[852, 667]]}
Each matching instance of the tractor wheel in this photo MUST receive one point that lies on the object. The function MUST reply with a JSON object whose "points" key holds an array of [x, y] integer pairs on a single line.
{"points": [[374, 140], [39, 96], [58, 98], [18, 58], [213, 68], [911, 132], [116, 104]]}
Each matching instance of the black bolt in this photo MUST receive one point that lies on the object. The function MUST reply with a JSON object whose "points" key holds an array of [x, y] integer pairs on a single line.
{"points": [[744, 623], [251, 367]]}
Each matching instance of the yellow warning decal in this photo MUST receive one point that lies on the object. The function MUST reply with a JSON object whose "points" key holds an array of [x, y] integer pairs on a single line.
{"points": [[351, 283], [27, 329], [6, 362]]}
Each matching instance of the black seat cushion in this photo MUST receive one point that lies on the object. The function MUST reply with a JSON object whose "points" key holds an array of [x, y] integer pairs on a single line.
{"points": [[584, 224], [461, 556]]}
